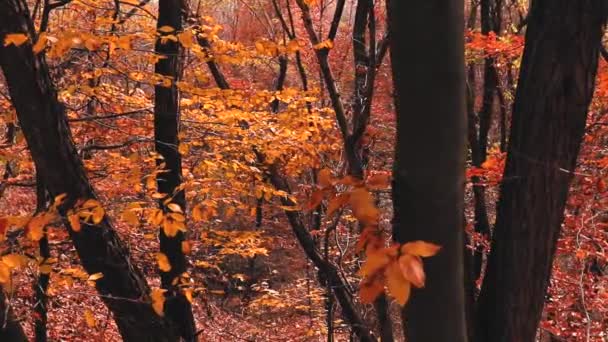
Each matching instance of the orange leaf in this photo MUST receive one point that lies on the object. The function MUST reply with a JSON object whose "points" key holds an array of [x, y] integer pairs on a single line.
{"points": [[315, 199], [364, 209], [337, 202], [420, 248], [370, 290], [397, 285], [374, 263], [158, 301], [411, 268], [74, 222], [163, 262], [324, 178]]}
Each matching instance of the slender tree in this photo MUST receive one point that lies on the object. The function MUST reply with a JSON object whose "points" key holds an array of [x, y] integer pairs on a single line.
{"points": [[166, 130], [43, 120], [429, 157], [555, 88]]}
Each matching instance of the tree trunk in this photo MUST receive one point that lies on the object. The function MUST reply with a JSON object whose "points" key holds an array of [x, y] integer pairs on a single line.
{"points": [[123, 287], [428, 186], [555, 88], [166, 129]]}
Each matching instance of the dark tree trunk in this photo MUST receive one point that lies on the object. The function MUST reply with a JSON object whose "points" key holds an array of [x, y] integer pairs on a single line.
{"points": [[43, 120], [428, 186], [42, 283], [10, 329], [166, 129], [555, 88]]}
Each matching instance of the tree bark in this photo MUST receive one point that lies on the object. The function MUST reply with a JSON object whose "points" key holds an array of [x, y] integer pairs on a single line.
{"points": [[166, 130], [555, 88], [123, 287], [428, 174]]}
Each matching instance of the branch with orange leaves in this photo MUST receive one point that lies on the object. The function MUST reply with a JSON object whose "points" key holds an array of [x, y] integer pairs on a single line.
{"points": [[328, 269], [397, 267]]}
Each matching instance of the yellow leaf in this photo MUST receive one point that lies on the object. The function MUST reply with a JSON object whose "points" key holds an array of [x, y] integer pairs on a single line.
{"points": [[130, 216], [412, 270], [166, 29], [174, 207], [35, 227], [5, 273], [197, 213], [324, 178], [374, 263], [89, 318], [14, 260], [45, 269], [420, 248], [326, 44], [98, 214], [397, 285], [15, 39], [364, 209], [158, 301], [74, 222], [40, 43], [163, 262], [188, 295], [95, 276]]}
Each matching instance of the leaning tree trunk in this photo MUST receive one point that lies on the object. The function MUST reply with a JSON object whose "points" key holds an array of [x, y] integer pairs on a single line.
{"points": [[166, 129], [123, 287], [428, 188], [555, 88]]}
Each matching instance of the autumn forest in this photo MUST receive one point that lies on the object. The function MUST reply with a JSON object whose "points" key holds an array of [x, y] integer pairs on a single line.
{"points": [[304, 170]]}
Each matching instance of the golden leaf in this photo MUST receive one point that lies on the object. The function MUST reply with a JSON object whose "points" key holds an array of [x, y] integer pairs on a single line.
{"points": [[397, 285], [130, 216], [95, 276], [74, 222], [166, 29], [420, 248], [5, 273], [14, 260], [163, 262], [158, 301], [89, 318], [364, 209], [412, 270], [15, 39], [45, 269], [374, 263], [174, 207]]}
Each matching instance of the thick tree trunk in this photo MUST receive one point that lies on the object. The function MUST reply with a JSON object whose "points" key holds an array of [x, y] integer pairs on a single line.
{"points": [[428, 173], [43, 120], [555, 88], [166, 129], [10, 329]]}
